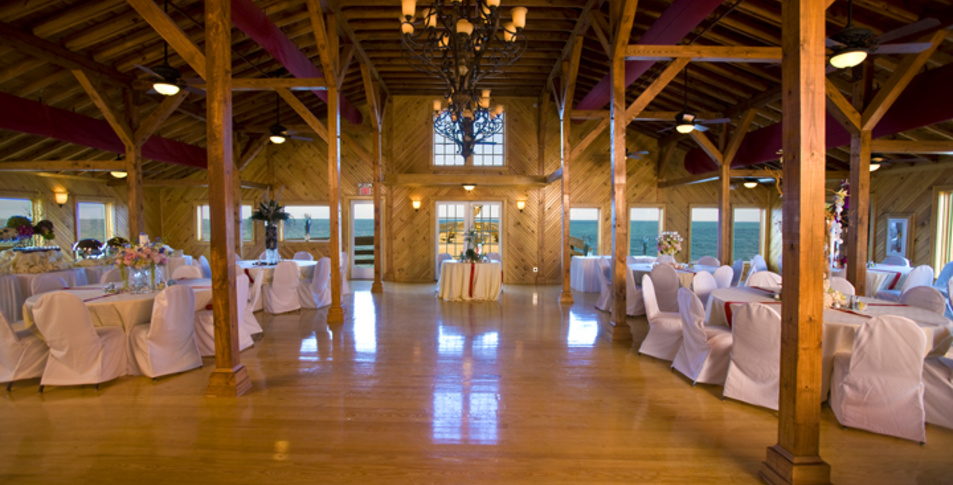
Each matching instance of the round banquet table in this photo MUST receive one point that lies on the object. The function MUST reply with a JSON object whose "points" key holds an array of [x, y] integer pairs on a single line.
{"points": [[124, 309], [470, 281], [685, 275], [880, 277], [267, 271], [583, 273], [173, 262], [840, 326], [15, 288]]}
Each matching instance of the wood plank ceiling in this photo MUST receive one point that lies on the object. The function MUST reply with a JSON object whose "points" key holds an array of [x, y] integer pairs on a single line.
{"points": [[112, 34]]}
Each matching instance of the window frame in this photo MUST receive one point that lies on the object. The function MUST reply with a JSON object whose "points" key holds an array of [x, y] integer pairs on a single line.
{"points": [[468, 220], [762, 230], [110, 210], [599, 216], [691, 235], [468, 162], [661, 220], [940, 241], [197, 222], [281, 225], [35, 204]]}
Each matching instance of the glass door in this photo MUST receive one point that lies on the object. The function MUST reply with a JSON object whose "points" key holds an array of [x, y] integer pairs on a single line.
{"points": [[362, 240], [455, 219]]}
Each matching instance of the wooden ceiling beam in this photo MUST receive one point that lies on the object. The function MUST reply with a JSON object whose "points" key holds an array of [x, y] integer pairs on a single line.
{"points": [[706, 144], [97, 94], [577, 34], [653, 90], [739, 134], [304, 112], [841, 108], [921, 147], [157, 116], [63, 165], [168, 30], [727, 53], [271, 83]]}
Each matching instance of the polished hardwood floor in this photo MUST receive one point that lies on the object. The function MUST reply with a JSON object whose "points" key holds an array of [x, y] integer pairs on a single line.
{"points": [[414, 390]]}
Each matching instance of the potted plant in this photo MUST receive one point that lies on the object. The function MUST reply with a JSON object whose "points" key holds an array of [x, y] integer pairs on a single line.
{"points": [[271, 213]]}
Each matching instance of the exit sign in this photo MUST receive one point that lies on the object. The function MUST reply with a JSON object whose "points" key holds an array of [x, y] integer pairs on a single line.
{"points": [[365, 189]]}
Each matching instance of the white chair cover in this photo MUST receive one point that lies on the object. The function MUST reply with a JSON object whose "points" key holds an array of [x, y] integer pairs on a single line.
{"points": [[708, 261], [167, 344], [111, 276], [764, 279], [738, 267], [633, 295], [317, 294], [665, 258], [926, 297], [303, 256], [187, 272], [702, 284], [440, 259], [878, 387], [758, 263], [79, 353], [665, 328], [920, 276], [247, 321], [281, 295], [43, 283], [895, 260], [261, 257], [705, 351], [605, 285], [22, 354], [842, 285], [723, 276], [754, 370], [666, 287], [345, 286], [938, 393], [494, 256], [247, 324], [255, 294], [944, 279], [206, 269]]}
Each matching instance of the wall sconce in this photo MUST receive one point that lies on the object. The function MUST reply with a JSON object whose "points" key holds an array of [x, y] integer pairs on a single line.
{"points": [[521, 204], [415, 203], [469, 187], [60, 196]]}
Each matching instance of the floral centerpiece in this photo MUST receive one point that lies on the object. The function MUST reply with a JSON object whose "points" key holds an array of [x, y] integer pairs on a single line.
{"points": [[20, 229], [87, 248], [139, 259], [669, 243], [836, 223], [23, 262], [271, 213], [473, 247]]}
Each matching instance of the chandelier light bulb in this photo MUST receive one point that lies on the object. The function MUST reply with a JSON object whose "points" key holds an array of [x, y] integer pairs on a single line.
{"points": [[485, 102], [498, 110], [406, 28], [444, 41], [848, 57], [408, 7], [509, 32], [437, 105], [519, 17], [492, 3], [463, 70], [464, 27], [430, 18]]}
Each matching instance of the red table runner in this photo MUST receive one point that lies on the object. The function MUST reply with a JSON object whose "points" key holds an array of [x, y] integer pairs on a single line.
{"points": [[729, 303]]}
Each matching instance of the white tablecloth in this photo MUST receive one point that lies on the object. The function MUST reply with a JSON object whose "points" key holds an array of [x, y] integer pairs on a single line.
{"points": [[125, 309], [305, 269], [840, 327], [174, 262], [582, 273], [881, 277], [15, 288], [456, 282], [685, 276]]}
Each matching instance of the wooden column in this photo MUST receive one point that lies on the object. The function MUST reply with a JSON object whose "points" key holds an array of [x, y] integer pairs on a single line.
{"points": [[795, 459], [542, 110], [229, 378], [565, 153], [135, 199], [335, 311], [859, 211], [377, 122], [724, 213]]}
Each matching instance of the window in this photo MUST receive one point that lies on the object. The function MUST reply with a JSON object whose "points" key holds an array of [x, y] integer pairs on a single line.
{"points": [[204, 229], [11, 206], [747, 232], [454, 219], [704, 232], [307, 222], [487, 154], [93, 220], [645, 224], [943, 245], [584, 225]]}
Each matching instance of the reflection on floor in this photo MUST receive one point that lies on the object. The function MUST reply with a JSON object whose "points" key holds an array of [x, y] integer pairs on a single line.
{"points": [[411, 389]]}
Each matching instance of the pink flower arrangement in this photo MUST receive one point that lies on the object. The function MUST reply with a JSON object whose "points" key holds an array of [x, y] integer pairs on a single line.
{"points": [[142, 256], [669, 243]]}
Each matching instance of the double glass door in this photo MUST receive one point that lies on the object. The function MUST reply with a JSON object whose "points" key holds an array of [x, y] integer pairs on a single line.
{"points": [[455, 219]]}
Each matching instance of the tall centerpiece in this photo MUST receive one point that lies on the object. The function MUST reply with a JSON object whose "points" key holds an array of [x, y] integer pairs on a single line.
{"points": [[271, 213], [669, 243], [138, 265], [20, 231]]}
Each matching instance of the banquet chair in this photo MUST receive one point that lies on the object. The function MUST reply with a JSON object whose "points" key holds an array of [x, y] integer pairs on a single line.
{"points": [[920, 276], [666, 286], [317, 293], [604, 274], [665, 328], [842, 285], [738, 267], [945, 275], [723, 276], [281, 295], [303, 256], [44, 283], [938, 391], [79, 352], [247, 324], [758, 264], [187, 272], [705, 351], [765, 279], [708, 261], [111, 276], [754, 368], [702, 284], [926, 297], [345, 285], [634, 305], [665, 259], [895, 260], [878, 386], [206, 269], [440, 259], [166, 345], [22, 354], [255, 292]]}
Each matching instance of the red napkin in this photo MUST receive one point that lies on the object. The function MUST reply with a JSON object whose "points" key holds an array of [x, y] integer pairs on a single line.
{"points": [[853, 312], [96, 298], [251, 280], [886, 304], [729, 303]]}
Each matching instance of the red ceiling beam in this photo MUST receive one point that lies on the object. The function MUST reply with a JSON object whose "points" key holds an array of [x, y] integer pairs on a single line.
{"points": [[916, 107], [252, 21], [39, 119], [675, 23]]}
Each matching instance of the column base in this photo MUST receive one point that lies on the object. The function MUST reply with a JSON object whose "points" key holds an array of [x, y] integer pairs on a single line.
{"points": [[335, 314], [782, 468], [377, 287], [226, 382], [565, 298], [618, 331]]}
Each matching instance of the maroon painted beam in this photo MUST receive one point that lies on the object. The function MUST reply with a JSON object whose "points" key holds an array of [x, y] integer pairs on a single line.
{"points": [[252, 21], [916, 107], [39, 119], [675, 23]]}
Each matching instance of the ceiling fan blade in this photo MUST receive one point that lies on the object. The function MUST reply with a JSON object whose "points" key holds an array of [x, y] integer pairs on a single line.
{"points": [[701, 128], [829, 42], [302, 138], [908, 30], [716, 121], [147, 70], [908, 48], [666, 129]]}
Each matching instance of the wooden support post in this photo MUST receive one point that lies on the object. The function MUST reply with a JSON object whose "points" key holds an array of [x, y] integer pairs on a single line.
{"points": [[335, 311], [377, 122], [135, 199], [724, 213], [229, 378], [542, 112], [859, 211], [570, 69], [795, 459]]}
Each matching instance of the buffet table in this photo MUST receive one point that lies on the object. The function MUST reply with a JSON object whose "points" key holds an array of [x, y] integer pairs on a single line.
{"points": [[470, 281]]}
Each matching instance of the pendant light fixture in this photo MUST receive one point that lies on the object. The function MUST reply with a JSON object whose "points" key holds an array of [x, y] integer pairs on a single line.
{"points": [[169, 80], [685, 121], [855, 43], [278, 132]]}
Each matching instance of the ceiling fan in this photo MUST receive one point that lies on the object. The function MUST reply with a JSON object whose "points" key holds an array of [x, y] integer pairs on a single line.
{"points": [[277, 133], [686, 121], [852, 44], [636, 155]]}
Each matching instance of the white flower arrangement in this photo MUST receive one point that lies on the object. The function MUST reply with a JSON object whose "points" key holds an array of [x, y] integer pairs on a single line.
{"points": [[669, 243]]}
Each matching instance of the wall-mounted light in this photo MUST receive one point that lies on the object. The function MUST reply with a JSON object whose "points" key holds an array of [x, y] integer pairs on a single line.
{"points": [[415, 203], [60, 196], [469, 187], [119, 174], [521, 204]]}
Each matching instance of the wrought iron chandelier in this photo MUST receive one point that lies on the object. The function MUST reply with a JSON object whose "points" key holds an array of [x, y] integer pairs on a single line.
{"points": [[461, 42]]}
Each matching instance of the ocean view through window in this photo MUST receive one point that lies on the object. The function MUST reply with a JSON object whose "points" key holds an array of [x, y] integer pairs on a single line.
{"points": [[645, 224], [584, 225], [704, 232], [747, 229]]}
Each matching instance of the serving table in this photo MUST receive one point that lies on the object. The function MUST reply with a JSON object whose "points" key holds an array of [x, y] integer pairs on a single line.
{"points": [[462, 281]]}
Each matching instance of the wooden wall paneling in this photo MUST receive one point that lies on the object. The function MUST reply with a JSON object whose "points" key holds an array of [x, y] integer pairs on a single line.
{"points": [[907, 193]]}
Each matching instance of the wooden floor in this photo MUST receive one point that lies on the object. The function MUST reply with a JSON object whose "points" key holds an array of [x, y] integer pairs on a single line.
{"points": [[415, 390]]}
